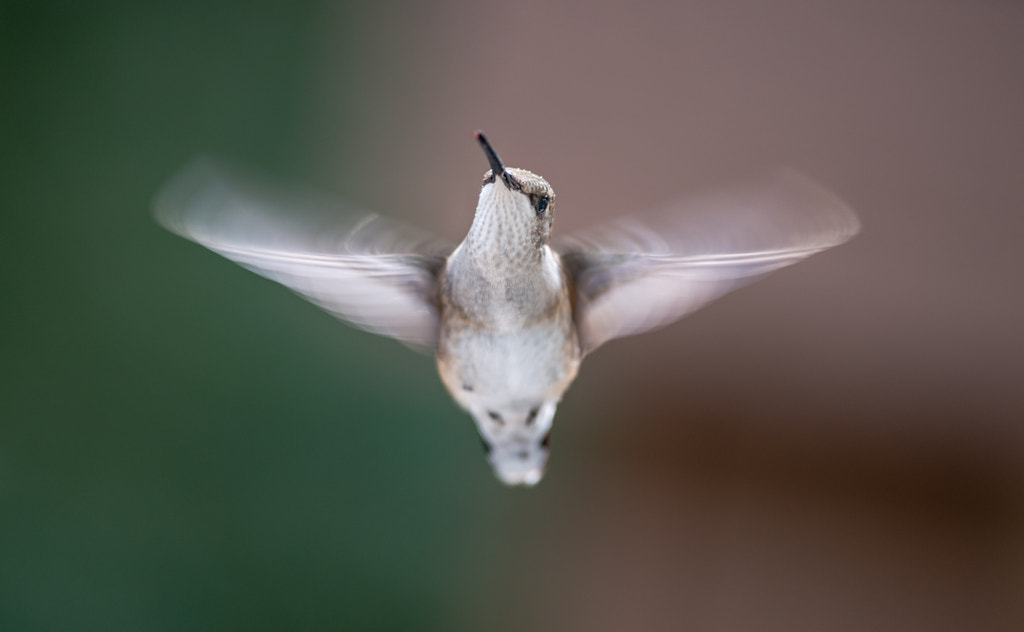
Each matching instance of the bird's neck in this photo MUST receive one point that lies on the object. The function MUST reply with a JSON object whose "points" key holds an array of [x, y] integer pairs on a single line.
{"points": [[503, 290], [501, 243]]}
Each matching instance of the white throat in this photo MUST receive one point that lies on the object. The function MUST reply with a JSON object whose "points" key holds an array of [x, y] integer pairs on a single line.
{"points": [[502, 226]]}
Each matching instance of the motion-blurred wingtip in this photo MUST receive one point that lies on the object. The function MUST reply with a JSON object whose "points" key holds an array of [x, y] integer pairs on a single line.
{"points": [[171, 202], [845, 223]]}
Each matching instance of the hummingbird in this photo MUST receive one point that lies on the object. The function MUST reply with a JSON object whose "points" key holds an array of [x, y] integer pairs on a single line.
{"points": [[508, 313]]}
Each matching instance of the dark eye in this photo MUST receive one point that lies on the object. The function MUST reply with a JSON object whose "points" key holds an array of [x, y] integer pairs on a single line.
{"points": [[531, 416], [541, 205], [495, 416]]}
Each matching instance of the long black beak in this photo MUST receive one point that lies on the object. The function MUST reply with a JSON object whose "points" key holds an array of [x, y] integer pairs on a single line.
{"points": [[497, 168]]}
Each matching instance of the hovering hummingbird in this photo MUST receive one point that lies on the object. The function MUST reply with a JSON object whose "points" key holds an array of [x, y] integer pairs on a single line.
{"points": [[508, 316]]}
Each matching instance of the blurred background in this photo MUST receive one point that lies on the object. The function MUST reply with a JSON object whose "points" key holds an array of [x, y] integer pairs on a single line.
{"points": [[184, 445]]}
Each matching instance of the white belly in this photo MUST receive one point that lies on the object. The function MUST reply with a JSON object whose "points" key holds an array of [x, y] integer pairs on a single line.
{"points": [[493, 370], [506, 341]]}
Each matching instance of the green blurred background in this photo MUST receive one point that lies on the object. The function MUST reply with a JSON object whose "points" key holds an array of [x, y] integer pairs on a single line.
{"points": [[184, 445]]}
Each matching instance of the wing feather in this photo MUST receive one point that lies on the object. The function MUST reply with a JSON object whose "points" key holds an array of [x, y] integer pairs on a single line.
{"points": [[375, 273], [640, 273]]}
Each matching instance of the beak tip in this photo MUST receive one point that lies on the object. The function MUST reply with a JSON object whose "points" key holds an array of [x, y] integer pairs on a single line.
{"points": [[492, 157]]}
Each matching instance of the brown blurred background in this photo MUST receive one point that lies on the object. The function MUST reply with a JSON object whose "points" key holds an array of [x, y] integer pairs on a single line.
{"points": [[837, 447]]}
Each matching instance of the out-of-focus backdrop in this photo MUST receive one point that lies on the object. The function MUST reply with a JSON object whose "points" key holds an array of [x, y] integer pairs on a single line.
{"points": [[186, 446]]}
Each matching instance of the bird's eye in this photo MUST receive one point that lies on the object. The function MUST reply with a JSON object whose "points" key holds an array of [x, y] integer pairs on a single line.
{"points": [[495, 416], [541, 205], [531, 416]]}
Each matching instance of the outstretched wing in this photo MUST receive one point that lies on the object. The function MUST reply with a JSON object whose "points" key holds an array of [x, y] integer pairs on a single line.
{"points": [[378, 274], [639, 273]]}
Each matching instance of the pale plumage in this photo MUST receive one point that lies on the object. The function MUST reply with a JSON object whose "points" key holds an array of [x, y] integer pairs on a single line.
{"points": [[509, 316], [373, 272], [638, 273]]}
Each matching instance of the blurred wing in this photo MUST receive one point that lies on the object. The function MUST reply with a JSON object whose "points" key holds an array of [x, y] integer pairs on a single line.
{"points": [[639, 273], [378, 274]]}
